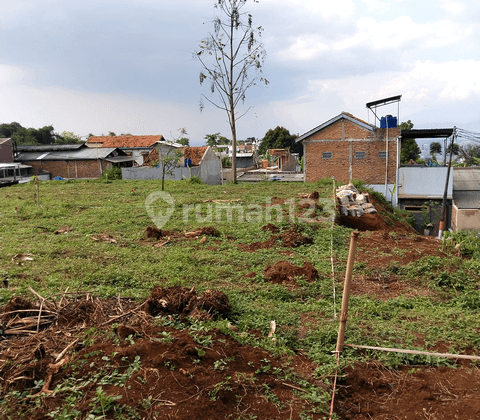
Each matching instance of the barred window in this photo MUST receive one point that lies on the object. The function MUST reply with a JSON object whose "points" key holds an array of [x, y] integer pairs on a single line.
{"points": [[382, 155], [326, 155], [359, 155]]}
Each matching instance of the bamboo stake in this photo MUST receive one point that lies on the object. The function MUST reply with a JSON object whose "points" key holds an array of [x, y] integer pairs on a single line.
{"points": [[424, 353], [346, 291], [331, 250]]}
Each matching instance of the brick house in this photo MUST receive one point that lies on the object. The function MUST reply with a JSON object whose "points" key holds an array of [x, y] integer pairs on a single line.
{"points": [[72, 160], [6, 151], [348, 148], [136, 146]]}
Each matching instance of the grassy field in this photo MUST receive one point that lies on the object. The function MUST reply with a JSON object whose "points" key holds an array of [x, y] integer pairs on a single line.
{"points": [[104, 250]]}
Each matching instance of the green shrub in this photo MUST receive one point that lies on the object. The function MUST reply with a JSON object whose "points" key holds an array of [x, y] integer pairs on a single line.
{"points": [[112, 172], [195, 180], [226, 162]]}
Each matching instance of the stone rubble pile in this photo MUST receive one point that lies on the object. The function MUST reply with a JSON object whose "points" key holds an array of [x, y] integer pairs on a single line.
{"points": [[352, 202]]}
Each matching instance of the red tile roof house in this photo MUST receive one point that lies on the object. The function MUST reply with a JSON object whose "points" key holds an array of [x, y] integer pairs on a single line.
{"points": [[201, 162], [136, 146], [347, 148]]}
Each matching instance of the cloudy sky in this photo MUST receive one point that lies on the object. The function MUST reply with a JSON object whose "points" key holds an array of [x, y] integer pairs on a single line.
{"points": [[93, 66]]}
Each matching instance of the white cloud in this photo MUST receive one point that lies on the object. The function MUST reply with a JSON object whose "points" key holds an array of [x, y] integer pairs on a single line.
{"points": [[403, 32], [377, 5], [457, 80], [455, 7], [339, 9], [304, 49]]}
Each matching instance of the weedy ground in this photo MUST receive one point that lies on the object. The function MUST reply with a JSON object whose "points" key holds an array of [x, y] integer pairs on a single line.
{"points": [[90, 237]]}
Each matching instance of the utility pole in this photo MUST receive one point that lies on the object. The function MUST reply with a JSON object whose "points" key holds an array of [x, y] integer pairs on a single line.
{"points": [[444, 201]]}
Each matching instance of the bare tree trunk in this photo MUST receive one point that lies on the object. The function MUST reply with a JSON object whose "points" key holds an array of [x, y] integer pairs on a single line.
{"points": [[232, 107]]}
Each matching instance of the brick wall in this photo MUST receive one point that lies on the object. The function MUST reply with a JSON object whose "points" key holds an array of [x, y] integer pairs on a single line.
{"points": [[71, 169], [343, 139], [6, 152]]}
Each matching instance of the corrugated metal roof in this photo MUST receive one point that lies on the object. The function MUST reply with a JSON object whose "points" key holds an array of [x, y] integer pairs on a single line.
{"points": [[467, 199], [50, 147], [84, 153], [466, 179], [427, 133], [278, 176], [118, 159]]}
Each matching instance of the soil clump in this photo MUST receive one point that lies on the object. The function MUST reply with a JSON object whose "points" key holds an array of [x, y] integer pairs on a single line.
{"points": [[288, 238], [185, 302], [286, 272]]}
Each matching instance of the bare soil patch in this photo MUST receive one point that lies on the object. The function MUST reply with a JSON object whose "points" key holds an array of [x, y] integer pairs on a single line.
{"points": [[371, 391], [382, 248], [384, 286], [155, 369]]}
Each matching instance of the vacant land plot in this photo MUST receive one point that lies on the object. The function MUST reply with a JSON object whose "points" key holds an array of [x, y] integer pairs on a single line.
{"points": [[120, 301]]}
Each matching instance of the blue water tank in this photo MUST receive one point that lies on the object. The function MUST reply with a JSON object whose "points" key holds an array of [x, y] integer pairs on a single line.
{"points": [[391, 121]]}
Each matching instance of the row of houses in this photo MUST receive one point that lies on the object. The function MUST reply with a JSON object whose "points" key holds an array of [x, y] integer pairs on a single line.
{"points": [[138, 156], [344, 147]]}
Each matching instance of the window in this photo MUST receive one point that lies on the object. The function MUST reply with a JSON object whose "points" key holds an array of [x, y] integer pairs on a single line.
{"points": [[326, 155], [382, 155], [359, 155]]}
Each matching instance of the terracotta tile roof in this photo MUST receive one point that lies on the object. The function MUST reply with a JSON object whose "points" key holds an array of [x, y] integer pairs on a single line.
{"points": [[125, 141], [195, 154], [356, 118]]}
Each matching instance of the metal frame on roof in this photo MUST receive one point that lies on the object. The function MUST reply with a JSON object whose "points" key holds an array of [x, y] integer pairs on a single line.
{"points": [[383, 102]]}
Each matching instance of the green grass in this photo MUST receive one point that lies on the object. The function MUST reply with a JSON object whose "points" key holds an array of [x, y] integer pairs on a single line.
{"points": [[131, 266]]}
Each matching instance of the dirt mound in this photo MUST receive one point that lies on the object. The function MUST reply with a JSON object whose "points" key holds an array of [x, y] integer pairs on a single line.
{"points": [[18, 307], [289, 238], [185, 302], [286, 272], [208, 230], [370, 391], [255, 246], [375, 221], [367, 222], [293, 238], [271, 227], [82, 311], [143, 369], [153, 232]]}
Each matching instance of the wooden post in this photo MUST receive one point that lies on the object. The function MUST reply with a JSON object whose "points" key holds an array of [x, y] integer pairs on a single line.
{"points": [[346, 291]]}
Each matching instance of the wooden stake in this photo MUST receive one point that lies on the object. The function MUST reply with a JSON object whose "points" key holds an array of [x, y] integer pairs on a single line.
{"points": [[346, 291], [425, 353]]}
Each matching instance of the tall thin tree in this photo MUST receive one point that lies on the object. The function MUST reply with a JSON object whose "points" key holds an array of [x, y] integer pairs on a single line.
{"points": [[232, 58]]}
